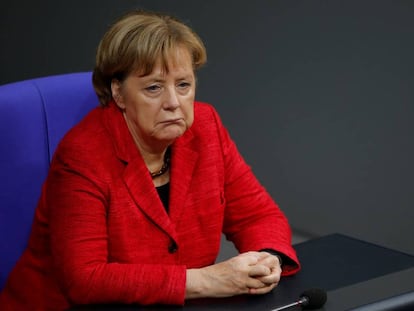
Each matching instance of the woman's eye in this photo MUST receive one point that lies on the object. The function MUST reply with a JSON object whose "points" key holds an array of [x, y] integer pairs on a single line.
{"points": [[184, 85], [152, 88]]}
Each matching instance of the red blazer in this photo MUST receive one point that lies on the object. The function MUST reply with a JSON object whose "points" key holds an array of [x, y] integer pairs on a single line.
{"points": [[101, 233]]}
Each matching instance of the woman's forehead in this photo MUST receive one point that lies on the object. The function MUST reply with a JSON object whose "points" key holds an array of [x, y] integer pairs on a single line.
{"points": [[171, 59]]}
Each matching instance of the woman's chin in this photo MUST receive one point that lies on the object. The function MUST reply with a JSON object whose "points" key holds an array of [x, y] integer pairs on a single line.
{"points": [[171, 135]]}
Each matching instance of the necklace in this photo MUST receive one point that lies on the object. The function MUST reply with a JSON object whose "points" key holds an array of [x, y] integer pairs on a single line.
{"points": [[165, 166]]}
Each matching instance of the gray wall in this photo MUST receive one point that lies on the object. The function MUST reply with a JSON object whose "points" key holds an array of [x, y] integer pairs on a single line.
{"points": [[318, 95]]}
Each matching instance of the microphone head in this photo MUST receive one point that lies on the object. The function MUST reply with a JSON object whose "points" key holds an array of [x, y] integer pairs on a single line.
{"points": [[315, 298]]}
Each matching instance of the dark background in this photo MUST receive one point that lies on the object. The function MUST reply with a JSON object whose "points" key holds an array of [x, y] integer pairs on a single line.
{"points": [[318, 95]]}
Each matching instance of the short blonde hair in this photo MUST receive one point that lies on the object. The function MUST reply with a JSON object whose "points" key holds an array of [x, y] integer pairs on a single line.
{"points": [[136, 42]]}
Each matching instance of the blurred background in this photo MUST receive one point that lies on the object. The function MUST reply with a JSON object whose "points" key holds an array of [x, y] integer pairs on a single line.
{"points": [[318, 95]]}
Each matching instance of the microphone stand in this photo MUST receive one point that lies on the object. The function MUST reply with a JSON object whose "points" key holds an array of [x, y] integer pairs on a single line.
{"points": [[303, 301]]}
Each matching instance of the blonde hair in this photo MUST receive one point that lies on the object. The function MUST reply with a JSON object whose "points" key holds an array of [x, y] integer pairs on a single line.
{"points": [[136, 42]]}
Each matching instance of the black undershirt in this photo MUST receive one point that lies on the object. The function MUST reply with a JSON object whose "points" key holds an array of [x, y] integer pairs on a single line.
{"points": [[164, 194]]}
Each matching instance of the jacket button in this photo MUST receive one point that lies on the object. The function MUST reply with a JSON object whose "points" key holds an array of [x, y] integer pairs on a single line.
{"points": [[173, 247]]}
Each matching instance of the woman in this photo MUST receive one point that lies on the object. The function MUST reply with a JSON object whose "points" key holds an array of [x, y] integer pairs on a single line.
{"points": [[140, 191]]}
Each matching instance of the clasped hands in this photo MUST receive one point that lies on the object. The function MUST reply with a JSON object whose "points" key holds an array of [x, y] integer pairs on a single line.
{"points": [[247, 273]]}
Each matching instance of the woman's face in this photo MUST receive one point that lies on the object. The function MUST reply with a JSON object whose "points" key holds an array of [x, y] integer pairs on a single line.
{"points": [[158, 107]]}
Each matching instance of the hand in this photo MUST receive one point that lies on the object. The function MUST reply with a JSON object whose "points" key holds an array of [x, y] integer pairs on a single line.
{"points": [[273, 263], [247, 273]]}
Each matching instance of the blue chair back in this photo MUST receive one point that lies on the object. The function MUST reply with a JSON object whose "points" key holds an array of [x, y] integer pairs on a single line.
{"points": [[34, 116]]}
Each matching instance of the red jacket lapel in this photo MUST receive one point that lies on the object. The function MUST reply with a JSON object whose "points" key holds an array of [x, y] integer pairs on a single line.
{"points": [[183, 161], [138, 180], [136, 176]]}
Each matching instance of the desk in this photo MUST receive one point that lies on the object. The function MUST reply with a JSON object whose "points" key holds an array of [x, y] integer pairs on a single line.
{"points": [[353, 272]]}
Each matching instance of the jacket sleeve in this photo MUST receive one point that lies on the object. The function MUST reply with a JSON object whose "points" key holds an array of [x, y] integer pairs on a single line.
{"points": [[253, 221], [77, 204]]}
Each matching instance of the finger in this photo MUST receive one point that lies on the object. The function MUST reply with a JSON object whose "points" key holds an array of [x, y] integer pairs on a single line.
{"points": [[255, 283], [250, 258], [271, 261], [273, 278], [263, 255], [261, 290], [259, 270]]}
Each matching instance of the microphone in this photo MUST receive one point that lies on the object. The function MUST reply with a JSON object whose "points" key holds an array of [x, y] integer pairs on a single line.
{"points": [[313, 298]]}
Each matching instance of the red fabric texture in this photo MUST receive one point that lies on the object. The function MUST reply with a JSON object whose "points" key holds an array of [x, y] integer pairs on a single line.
{"points": [[102, 235]]}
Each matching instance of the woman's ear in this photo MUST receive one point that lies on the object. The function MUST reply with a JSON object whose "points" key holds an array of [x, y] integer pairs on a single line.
{"points": [[116, 93]]}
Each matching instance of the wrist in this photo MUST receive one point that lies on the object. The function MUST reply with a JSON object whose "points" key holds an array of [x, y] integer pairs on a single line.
{"points": [[194, 284]]}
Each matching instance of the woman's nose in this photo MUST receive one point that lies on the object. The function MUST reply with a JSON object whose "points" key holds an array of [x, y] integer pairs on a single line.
{"points": [[171, 100]]}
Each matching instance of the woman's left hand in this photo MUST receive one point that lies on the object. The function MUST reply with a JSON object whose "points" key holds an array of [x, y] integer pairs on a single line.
{"points": [[272, 262]]}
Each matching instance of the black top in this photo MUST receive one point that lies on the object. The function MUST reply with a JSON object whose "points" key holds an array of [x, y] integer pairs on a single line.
{"points": [[164, 194]]}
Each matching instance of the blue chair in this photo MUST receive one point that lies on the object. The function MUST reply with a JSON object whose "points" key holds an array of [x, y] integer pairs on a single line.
{"points": [[34, 116]]}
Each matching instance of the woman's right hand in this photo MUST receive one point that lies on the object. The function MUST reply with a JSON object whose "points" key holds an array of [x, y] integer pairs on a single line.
{"points": [[246, 273]]}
